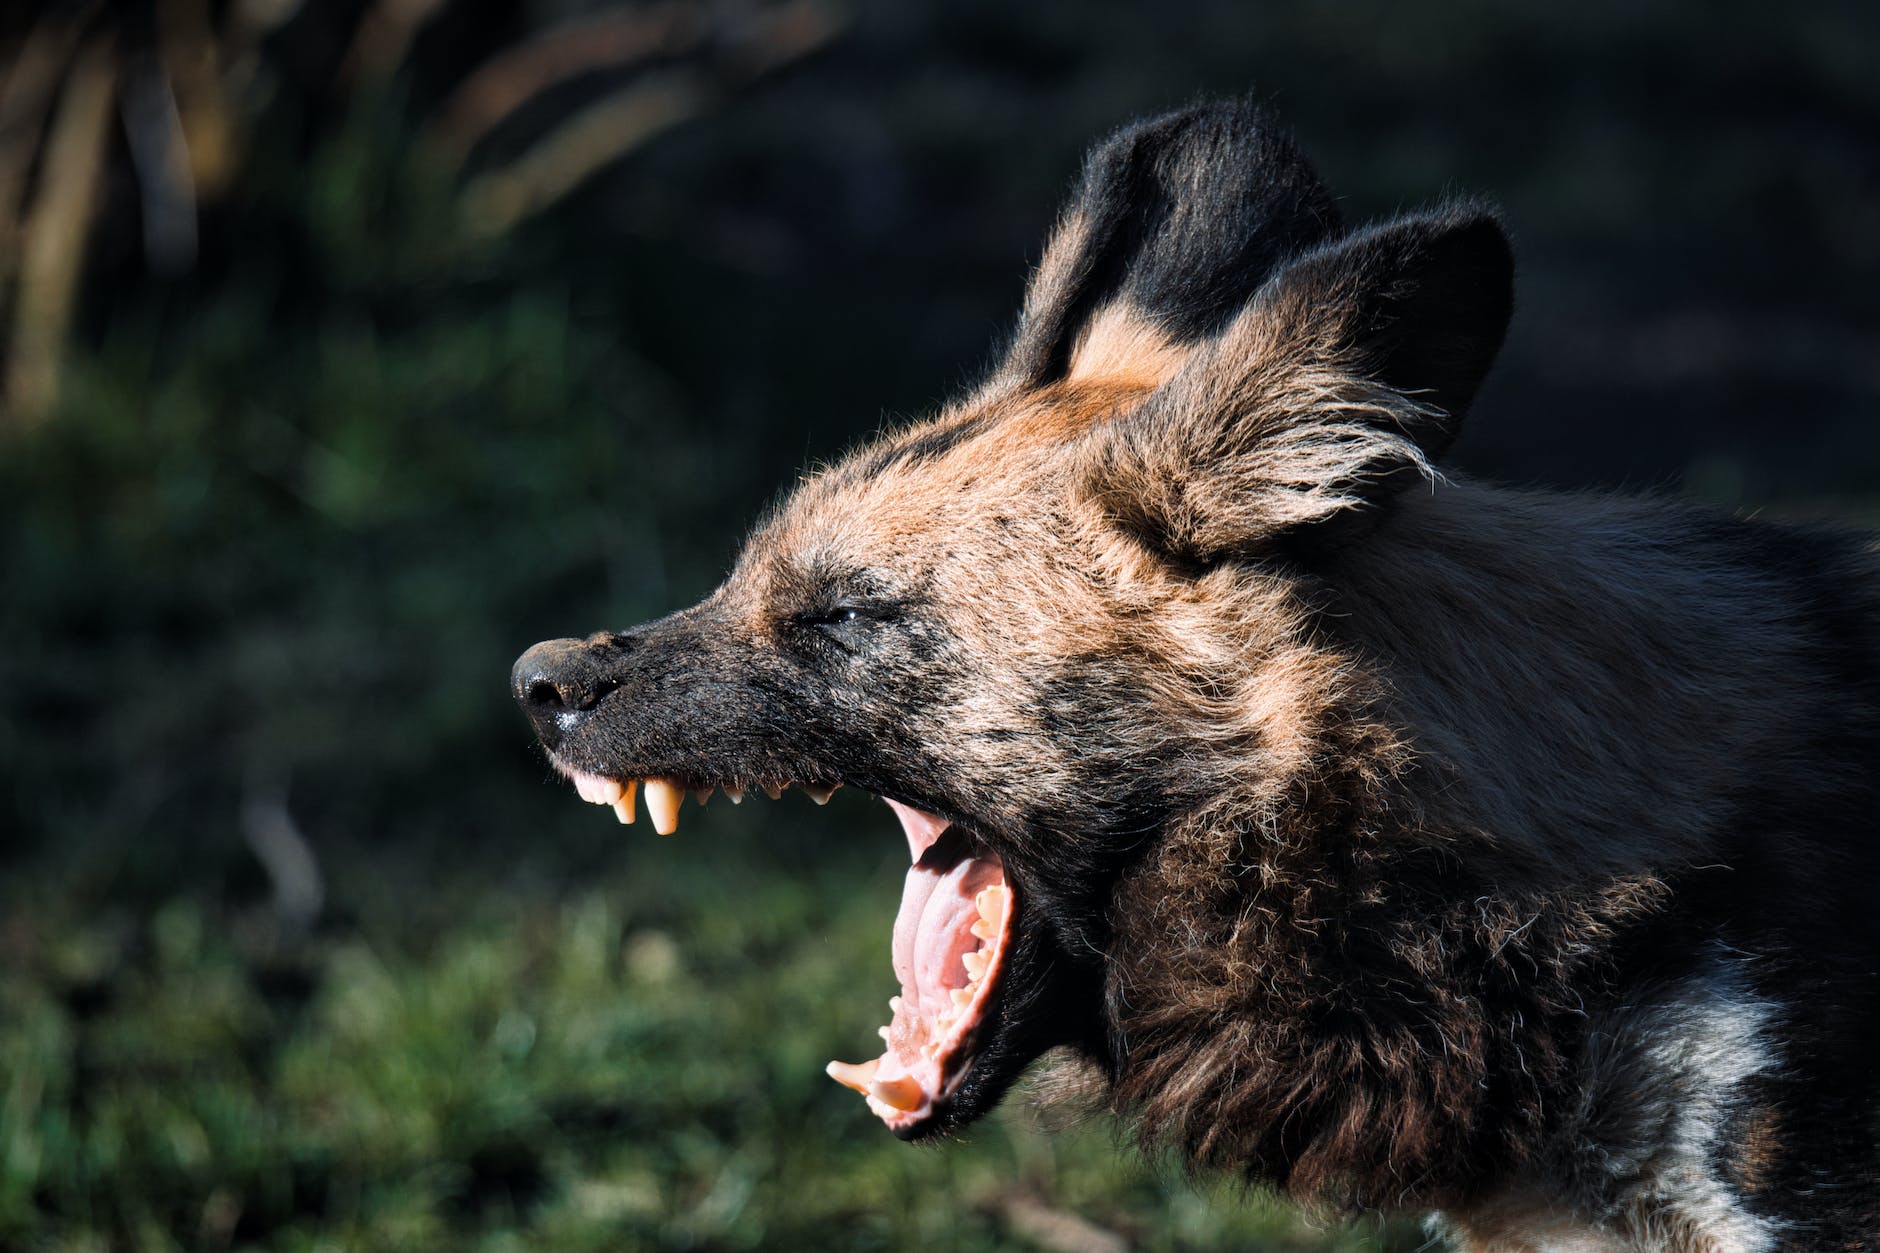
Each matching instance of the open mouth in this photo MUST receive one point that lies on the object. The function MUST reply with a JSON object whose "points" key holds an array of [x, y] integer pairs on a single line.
{"points": [[952, 933]]}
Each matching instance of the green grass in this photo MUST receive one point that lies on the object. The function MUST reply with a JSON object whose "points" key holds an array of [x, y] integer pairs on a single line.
{"points": [[633, 1063]]}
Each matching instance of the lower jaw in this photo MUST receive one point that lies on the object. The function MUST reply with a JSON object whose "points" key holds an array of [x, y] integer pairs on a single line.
{"points": [[951, 940]]}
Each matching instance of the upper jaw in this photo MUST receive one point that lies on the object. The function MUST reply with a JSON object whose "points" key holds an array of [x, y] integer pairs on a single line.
{"points": [[664, 794], [597, 764]]}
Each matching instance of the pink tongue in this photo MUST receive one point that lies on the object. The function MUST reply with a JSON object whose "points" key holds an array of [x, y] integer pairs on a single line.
{"points": [[933, 927], [942, 925], [932, 930]]}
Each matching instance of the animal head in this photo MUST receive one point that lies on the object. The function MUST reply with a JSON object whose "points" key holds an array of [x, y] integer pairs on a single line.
{"points": [[1074, 613]]}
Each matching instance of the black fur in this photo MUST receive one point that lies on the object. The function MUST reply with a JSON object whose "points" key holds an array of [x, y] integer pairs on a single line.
{"points": [[1185, 215], [1497, 852]]}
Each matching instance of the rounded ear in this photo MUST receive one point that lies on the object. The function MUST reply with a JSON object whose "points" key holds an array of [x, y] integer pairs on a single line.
{"points": [[1423, 304], [1174, 224], [1343, 378]]}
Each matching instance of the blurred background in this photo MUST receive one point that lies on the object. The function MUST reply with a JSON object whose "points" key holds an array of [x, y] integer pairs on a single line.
{"points": [[347, 348]]}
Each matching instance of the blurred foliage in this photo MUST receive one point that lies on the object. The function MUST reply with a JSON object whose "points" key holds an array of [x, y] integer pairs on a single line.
{"points": [[632, 1066], [265, 563]]}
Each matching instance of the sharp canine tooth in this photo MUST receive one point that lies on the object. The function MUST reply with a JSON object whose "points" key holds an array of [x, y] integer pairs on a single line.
{"points": [[818, 793], [984, 930], [903, 1094], [662, 805], [851, 1075], [991, 903], [975, 964], [735, 793]]}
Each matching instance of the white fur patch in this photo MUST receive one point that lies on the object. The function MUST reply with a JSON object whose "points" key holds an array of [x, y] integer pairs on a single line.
{"points": [[1714, 1039], [1676, 1068]]}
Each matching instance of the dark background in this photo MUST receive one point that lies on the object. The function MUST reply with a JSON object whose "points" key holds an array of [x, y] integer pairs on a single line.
{"points": [[350, 348]]}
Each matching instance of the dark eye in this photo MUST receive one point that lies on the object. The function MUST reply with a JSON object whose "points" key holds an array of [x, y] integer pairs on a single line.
{"points": [[847, 624], [843, 617]]}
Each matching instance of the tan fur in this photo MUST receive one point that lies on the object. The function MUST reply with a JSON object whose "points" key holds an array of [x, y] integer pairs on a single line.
{"points": [[1290, 744], [1122, 347], [1398, 840], [1057, 276], [1754, 1161], [1283, 418]]}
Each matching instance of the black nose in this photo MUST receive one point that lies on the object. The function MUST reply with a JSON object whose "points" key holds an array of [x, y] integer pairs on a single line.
{"points": [[559, 682]]}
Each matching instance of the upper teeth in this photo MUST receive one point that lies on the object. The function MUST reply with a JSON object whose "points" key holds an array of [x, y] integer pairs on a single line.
{"points": [[662, 805], [597, 790], [663, 796]]}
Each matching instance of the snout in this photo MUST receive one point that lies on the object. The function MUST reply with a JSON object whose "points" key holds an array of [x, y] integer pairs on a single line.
{"points": [[558, 683]]}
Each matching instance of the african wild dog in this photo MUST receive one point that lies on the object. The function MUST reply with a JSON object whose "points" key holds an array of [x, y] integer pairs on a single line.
{"points": [[1402, 840]]}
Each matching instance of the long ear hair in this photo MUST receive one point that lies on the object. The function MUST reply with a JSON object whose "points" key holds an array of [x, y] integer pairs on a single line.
{"points": [[1339, 382]]}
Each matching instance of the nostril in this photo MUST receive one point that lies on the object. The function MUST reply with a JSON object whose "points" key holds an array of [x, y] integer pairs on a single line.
{"points": [[558, 683], [573, 695]]}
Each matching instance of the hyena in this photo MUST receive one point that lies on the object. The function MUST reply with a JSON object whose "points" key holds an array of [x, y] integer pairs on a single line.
{"points": [[1405, 841]]}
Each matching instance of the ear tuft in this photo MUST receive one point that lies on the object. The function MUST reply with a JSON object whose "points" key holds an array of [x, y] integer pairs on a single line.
{"points": [[1341, 381]]}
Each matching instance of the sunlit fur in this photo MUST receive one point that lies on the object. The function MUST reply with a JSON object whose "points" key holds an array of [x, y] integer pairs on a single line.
{"points": [[1424, 794], [1417, 802], [1406, 842]]}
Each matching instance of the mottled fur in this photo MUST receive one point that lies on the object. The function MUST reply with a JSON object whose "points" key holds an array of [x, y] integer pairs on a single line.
{"points": [[1407, 842]]}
